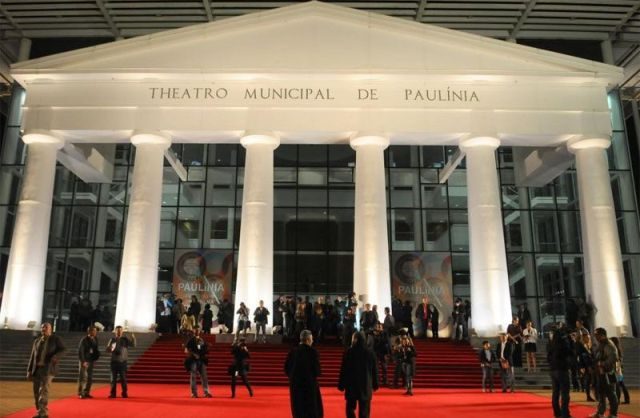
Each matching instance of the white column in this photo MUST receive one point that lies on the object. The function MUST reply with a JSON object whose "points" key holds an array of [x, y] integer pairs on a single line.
{"points": [[138, 285], [490, 299], [255, 254], [24, 283], [604, 276], [371, 279]]}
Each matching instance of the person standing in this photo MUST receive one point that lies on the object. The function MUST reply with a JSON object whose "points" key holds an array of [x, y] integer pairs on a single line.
{"points": [[458, 319], [530, 336], [559, 352], [118, 346], [620, 386], [605, 359], [367, 319], [504, 352], [207, 319], [243, 320], [358, 377], [303, 369], [197, 349], [195, 308], [408, 356], [487, 358], [348, 327], [514, 333], [43, 366], [240, 366], [382, 350], [88, 354], [260, 317], [389, 323], [433, 320], [584, 361]]}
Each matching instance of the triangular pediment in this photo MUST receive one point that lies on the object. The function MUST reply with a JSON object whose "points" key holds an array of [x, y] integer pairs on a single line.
{"points": [[315, 38]]}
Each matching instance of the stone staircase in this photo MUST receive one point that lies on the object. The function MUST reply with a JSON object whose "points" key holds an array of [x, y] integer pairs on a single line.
{"points": [[15, 347]]}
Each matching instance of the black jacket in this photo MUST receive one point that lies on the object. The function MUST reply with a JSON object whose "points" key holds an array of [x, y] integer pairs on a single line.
{"points": [[508, 351], [88, 349], [303, 369], [483, 358], [54, 348], [560, 352], [358, 373], [198, 349]]}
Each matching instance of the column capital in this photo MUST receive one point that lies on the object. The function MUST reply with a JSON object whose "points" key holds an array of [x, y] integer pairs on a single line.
{"points": [[151, 137], [365, 138], [38, 136], [260, 137], [595, 141], [472, 141]]}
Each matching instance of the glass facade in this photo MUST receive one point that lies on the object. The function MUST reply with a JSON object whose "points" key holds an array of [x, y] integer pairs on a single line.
{"points": [[314, 195]]}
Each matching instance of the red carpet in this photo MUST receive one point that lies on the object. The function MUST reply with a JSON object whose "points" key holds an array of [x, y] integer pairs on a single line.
{"points": [[440, 363], [152, 401]]}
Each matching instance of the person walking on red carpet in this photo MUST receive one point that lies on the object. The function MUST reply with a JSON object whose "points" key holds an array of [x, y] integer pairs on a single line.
{"points": [[43, 366], [88, 354], [487, 358], [408, 355], [240, 366], [303, 369], [358, 377], [504, 352], [559, 352], [118, 346], [196, 362]]}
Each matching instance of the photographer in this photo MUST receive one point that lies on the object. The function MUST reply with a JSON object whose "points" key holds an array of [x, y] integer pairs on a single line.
{"points": [[196, 363], [605, 359], [118, 346], [559, 355], [240, 366]]}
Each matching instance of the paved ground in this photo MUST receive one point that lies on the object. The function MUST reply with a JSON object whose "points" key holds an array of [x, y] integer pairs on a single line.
{"points": [[16, 396]]}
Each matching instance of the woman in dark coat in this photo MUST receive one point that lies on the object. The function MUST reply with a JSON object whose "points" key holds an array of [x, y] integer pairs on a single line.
{"points": [[240, 366], [303, 369], [207, 319]]}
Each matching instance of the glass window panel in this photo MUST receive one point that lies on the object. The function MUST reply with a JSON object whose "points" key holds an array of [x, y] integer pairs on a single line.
{"points": [[549, 272], [545, 231], [63, 186], [123, 152], [629, 232], [507, 176], [104, 275], [631, 268], [83, 224], [514, 197], [436, 230], [312, 196], [284, 272], [617, 118], [284, 228], [406, 230], [7, 219], [432, 156], [341, 156], [570, 232], [517, 230], [428, 175], [341, 175], [10, 184], [505, 157], [340, 275], [86, 193], [552, 311], [312, 176], [457, 197], [450, 152], [403, 156], [218, 224], [312, 155], [192, 194], [168, 227], [223, 154], [459, 230], [110, 226], [618, 153], [542, 197], [196, 173], [60, 221], [236, 232], [573, 275], [284, 195], [221, 184], [120, 173], [4, 261], [54, 274], [522, 275], [458, 178], [113, 193], [12, 147], [165, 271], [566, 190], [284, 175], [341, 227], [170, 187], [312, 231], [189, 229], [78, 270], [434, 196], [194, 154], [404, 188], [313, 270], [461, 276], [343, 196], [622, 188], [286, 156]]}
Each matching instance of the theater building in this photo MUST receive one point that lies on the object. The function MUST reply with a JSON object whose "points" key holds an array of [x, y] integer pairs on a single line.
{"points": [[317, 150]]}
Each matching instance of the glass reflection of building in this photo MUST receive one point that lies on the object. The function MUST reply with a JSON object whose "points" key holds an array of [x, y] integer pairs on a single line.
{"points": [[313, 220]]}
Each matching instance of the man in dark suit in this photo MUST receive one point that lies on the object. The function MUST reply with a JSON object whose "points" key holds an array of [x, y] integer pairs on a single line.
{"points": [[88, 354], [504, 353], [428, 317], [43, 366], [358, 377], [303, 369]]}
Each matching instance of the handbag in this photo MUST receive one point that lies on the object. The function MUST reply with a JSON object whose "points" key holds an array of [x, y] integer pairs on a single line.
{"points": [[504, 364]]}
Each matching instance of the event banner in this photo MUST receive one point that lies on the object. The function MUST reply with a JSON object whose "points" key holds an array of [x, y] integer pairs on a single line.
{"points": [[205, 273], [416, 275]]}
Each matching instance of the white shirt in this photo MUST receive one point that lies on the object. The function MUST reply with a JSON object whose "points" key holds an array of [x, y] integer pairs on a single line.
{"points": [[530, 336]]}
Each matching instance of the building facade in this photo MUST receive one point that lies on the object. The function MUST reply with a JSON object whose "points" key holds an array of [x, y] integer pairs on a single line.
{"points": [[502, 179]]}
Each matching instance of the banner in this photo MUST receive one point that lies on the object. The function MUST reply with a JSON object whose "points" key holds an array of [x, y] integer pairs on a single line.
{"points": [[205, 273], [416, 275]]}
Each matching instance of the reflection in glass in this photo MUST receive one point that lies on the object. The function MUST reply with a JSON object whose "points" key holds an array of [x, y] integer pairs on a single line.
{"points": [[629, 232], [110, 226], [312, 229], [570, 232], [522, 275], [218, 228], [284, 228], [82, 229], [168, 227], [189, 227], [341, 229], [404, 188], [434, 196], [548, 269], [517, 230], [7, 218], [405, 230], [573, 274], [545, 231], [622, 188], [221, 183], [10, 184], [436, 230], [60, 220], [566, 190], [459, 230], [542, 197], [191, 194]]}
